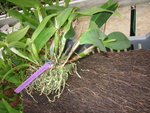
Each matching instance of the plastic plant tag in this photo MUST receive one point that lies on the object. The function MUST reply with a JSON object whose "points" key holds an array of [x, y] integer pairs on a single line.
{"points": [[33, 76]]}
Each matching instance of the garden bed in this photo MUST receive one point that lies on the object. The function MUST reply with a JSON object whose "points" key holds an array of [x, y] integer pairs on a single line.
{"points": [[109, 83]]}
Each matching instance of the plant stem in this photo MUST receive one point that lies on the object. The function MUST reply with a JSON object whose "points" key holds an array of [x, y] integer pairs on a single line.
{"points": [[83, 54], [57, 2], [62, 46], [46, 52], [39, 15], [56, 42], [50, 2], [72, 50], [67, 3], [108, 41]]}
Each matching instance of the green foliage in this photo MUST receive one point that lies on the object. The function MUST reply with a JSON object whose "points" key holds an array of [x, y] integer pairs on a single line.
{"points": [[68, 29], [9, 80], [17, 35], [54, 9], [50, 2], [8, 109], [67, 3], [7, 69], [119, 41], [57, 2], [4, 6], [92, 37], [2, 64], [17, 44], [2, 44], [70, 32], [2, 34], [26, 3], [25, 19], [41, 26], [62, 17], [12, 70], [95, 10], [101, 18], [43, 37]]}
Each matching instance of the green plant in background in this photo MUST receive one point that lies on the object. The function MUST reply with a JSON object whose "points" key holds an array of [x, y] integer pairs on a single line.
{"points": [[12, 77], [43, 37], [5, 5]]}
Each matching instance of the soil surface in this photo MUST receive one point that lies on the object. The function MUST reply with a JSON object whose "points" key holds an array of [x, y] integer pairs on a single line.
{"points": [[109, 83]]}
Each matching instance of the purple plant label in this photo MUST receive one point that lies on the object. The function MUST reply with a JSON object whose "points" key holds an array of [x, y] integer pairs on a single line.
{"points": [[33, 77]]}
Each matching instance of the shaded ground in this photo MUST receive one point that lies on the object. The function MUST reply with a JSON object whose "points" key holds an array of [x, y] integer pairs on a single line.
{"points": [[110, 83]]}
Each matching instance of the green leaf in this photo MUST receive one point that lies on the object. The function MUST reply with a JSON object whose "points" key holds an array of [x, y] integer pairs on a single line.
{"points": [[102, 17], [102, 35], [92, 37], [43, 12], [93, 25], [2, 44], [122, 42], [41, 26], [62, 17], [62, 46], [92, 11], [57, 2], [15, 14], [68, 29], [32, 49], [56, 42], [30, 21], [17, 35], [2, 108], [56, 8], [21, 54], [67, 3], [9, 108], [70, 33], [2, 34], [43, 37], [50, 2], [95, 10], [26, 3], [26, 11], [4, 54], [16, 44], [2, 63], [13, 78], [2, 96], [24, 18], [36, 14], [40, 17], [14, 69]]}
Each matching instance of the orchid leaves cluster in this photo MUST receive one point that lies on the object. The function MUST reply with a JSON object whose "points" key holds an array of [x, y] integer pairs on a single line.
{"points": [[46, 29]]}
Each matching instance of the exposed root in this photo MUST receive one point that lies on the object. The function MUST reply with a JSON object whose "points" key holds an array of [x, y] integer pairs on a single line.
{"points": [[52, 82]]}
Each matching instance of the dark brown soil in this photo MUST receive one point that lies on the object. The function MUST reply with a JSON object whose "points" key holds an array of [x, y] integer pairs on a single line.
{"points": [[110, 83]]}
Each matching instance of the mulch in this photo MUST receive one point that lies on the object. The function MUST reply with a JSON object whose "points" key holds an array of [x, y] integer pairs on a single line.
{"points": [[109, 83]]}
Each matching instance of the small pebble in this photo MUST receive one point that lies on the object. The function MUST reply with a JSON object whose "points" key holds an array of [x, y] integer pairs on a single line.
{"points": [[4, 28], [9, 30], [17, 26]]}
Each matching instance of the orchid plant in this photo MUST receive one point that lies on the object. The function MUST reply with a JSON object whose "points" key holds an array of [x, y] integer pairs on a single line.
{"points": [[43, 36]]}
